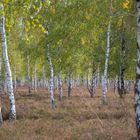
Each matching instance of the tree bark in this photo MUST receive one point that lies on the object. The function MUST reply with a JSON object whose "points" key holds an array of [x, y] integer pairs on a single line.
{"points": [[15, 79], [92, 85], [137, 84], [35, 79], [69, 83], [29, 77], [121, 86], [88, 79], [60, 87], [5, 82], [51, 71], [104, 88], [93, 82], [1, 119], [12, 114], [43, 77]]}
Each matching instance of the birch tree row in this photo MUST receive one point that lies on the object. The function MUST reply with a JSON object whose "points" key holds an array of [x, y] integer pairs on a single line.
{"points": [[52, 44]]}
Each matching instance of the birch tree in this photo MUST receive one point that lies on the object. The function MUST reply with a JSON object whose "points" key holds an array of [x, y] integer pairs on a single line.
{"points": [[137, 85], [104, 88], [51, 86], [92, 84], [12, 114], [1, 119]]}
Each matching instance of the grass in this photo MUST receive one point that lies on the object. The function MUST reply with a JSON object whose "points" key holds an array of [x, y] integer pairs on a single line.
{"points": [[76, 118]]}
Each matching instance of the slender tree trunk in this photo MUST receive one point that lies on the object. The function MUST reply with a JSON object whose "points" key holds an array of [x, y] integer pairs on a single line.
{"points": [[93, 82], [12, 114], [60, 87], [121, 87], [69, 84], [1, 119], [92, 85], [29, 77], [55, 83], [78, 80], [98, 78], [15, 79], [43, 77], [35, 79], [104, 88], [51, 72], [115, 84], [88, 79], [137, 84], [5, 82]]}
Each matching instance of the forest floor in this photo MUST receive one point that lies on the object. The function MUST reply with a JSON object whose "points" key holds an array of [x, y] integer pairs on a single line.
{"points": [[76, 118]]}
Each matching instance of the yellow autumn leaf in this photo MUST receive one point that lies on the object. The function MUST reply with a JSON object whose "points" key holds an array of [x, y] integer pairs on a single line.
{"points": [[126, 4], [119, 23], [40, 25], [83, 41], [52, 10], [34, 6], [28, 23], [87, 16], [33, 23], [42, 28], [37, 20], [26, 29]]}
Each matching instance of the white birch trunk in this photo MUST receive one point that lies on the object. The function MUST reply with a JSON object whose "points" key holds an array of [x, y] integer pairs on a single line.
{"points": [[137, 84], [104, 88], [98, 78], [51, 78], [92, 85], [12, 114], [69, 83], [35, 79], [5, 82], [55, 83], [88, 79], [43, 77], [60, 87], [78, 81], [1, 119], [29, 77], [51, 73], [15, 79]]}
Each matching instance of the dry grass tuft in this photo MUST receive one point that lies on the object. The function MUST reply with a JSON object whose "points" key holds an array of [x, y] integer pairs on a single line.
{"points": [[76, 118]]}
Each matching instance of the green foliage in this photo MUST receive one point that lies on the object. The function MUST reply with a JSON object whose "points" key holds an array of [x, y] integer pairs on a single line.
{"points": [[77, 34]]}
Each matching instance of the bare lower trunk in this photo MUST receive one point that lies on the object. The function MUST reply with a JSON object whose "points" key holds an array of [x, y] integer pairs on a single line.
{"points": [[137, 84], [69, 84], [88, 79], [35, 80], [98, 78], [92, 86], [104, 88], [55, 83], [12, 114], [51, 72], [15, 79], [29, 77], [78, 81], [5, 82], [43, 77], [121, 87], [51, 79], [1, 119], [93, 82], [60, 87]]}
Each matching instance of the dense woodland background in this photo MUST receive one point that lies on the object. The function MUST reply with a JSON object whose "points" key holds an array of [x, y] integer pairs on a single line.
{"points": [[70, 69]]}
